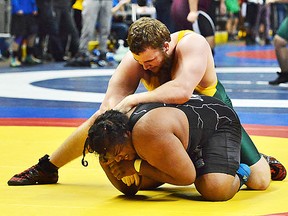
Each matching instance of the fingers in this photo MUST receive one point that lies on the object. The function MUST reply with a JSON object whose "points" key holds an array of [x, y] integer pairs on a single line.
{"points": [[114, 169], [136, 179], [124, 179], [129, 180]]}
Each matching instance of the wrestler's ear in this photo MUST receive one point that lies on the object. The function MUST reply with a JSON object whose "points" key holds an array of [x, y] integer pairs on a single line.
{"points": [[128, 133], [166, 46]]}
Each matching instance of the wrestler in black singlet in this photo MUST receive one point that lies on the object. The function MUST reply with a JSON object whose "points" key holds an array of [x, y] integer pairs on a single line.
{"points": [[214, 131]]}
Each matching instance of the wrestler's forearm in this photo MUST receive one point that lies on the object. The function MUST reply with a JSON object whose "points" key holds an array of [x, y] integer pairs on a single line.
{"points": [[169, 92], [153, 173]]}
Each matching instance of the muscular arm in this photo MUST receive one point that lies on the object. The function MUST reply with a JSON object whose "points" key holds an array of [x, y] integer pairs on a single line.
{"points": [[188, 71], [123, 82]]}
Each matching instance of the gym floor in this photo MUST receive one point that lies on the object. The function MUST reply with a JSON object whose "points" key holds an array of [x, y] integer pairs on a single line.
{"points": [[41, 105]]}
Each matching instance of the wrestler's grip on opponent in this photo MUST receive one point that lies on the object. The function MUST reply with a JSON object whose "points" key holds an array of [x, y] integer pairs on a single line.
{"points": [[127, 183]]}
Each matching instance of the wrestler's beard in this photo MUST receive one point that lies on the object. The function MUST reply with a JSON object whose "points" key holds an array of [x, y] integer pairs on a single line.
{"points": [[164, 73]]}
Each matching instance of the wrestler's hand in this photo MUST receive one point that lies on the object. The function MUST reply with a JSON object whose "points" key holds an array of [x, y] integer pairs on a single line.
{"points": [[192, 16], [122, 168], [126, 104], [129, 180]]}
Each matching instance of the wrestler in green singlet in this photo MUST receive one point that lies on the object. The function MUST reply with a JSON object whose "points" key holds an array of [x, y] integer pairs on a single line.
{"points": [[249, 153], [283, 29]]}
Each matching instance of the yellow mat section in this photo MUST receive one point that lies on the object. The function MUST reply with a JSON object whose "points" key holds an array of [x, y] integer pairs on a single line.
{"points": [[87, 191]]}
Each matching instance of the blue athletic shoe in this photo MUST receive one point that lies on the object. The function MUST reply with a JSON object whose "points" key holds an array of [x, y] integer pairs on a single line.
{"points": [[243, 173]]}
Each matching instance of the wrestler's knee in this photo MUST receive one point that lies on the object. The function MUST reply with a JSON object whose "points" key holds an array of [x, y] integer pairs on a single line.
{"points": [[216, 187], [279, 42], [260, 176]]}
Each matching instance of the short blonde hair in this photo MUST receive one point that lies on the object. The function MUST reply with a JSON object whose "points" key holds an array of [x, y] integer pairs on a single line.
{"points": [[147, 32]]}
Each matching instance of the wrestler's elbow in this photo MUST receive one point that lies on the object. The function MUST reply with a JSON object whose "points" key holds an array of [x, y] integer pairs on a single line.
{"points": [[186, 96], [185, 93], [182, 96]]}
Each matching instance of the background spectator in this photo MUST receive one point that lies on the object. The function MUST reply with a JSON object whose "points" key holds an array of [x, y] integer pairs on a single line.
{"points": [[23, 27], [233, 9]]}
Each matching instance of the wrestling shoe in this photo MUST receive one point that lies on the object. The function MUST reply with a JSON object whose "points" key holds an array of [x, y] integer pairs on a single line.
{"points": [[282, 78], [278, 171], [42, 173]]}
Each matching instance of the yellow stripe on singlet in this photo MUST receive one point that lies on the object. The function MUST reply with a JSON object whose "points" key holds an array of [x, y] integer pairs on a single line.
{"points": [[182, 33], [152, 84], [209, 91]]}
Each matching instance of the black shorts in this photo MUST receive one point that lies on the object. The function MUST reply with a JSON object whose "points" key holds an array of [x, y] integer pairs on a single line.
{"points": [[204, 25], [221, 152], [23, 25]]}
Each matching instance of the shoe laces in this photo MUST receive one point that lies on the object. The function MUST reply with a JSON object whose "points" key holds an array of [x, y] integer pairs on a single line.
{"points": [[27, 173]]}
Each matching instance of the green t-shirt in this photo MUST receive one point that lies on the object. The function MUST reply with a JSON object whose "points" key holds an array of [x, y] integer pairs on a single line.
{"points": [[232, 6]]}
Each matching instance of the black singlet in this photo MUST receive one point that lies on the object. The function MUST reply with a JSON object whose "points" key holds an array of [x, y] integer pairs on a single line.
{"points": [[206, 116]]}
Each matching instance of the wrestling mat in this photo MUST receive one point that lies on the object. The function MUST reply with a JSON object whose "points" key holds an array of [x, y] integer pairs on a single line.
{"points": [[40, 106], [87, 191]]}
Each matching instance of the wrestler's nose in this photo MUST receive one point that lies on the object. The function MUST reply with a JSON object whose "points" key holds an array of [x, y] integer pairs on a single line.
{"points": [[146, 66]]}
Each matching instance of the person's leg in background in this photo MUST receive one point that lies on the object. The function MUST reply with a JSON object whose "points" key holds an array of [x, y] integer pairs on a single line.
{"points": [[250, 21], [281, 50], [48, 23], [14, 53], [104, 21], [32, 30], [70, 30], [163, 13], [89, 18], [18, 31]]}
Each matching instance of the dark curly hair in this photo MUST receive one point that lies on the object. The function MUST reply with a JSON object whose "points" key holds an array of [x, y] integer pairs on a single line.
{"points": [[108, 130], [147, 32]]}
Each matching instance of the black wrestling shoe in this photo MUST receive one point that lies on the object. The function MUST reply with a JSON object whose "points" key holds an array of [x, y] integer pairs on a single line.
{"points": [[282, 78], [278, 171], [42, 173]]}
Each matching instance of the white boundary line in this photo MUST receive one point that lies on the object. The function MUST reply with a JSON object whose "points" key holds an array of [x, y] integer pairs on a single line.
{"points": [[18, 85], [247, 69]]}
